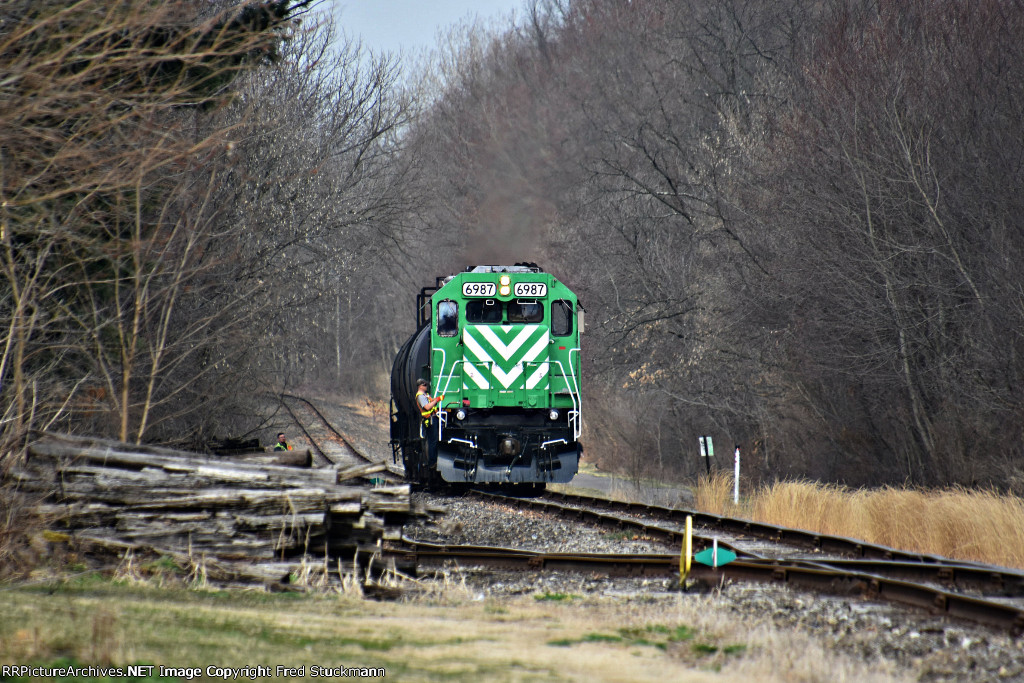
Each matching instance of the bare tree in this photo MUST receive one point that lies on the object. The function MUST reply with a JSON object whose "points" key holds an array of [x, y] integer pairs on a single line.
{"points": [[892, 173], [100, 103]]}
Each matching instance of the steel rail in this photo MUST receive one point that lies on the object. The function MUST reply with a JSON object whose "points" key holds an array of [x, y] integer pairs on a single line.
{"points": [[327, 423], [302, 426], [432, 554], [820, 579], [840, 545], [991, 580], [651, 531], [330, 427]]}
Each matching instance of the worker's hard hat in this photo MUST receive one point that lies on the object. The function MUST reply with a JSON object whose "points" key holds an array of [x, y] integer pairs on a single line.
{"points": [[422, 383]]}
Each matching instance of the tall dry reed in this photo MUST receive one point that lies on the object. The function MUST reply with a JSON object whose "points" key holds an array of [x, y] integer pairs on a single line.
{"points": [[980, 525], [824, 508], [713, 493]]}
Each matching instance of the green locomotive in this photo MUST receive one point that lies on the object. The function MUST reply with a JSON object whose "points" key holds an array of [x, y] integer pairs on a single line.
{"points": [[502, 345]]}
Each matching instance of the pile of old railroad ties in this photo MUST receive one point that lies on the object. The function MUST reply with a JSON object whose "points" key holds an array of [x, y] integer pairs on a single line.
{"points": [[820, 563], [249, 518]]}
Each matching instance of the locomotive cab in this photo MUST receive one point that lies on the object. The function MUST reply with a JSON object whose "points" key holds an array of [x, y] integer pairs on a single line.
{"points": [[504, 351]]}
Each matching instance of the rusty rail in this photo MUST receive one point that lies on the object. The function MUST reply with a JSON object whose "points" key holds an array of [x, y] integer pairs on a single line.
{"points": [[808, 576]]}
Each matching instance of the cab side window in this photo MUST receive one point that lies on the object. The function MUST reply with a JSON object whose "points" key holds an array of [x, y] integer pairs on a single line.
{"points": [[447, 319], [561, 318]]}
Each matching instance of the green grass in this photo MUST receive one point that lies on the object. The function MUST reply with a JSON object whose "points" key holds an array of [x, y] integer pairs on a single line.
{"points": [[447, 636], [164, 565], [94, 620], [657, 636], [556, 597]]}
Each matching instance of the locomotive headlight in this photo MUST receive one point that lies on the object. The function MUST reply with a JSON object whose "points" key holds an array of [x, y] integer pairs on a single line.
{"points": [[553, 414], [504, 290], [460, 414], [505, 281]]}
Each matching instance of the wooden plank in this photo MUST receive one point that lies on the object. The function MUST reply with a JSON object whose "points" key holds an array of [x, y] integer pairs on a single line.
{"points": [[360, 471], [113, 458], [282, 458]]}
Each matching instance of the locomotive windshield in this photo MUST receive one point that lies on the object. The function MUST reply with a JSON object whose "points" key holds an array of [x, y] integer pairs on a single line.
{"points": [[487, 311], [491, 312], [525, 312]]}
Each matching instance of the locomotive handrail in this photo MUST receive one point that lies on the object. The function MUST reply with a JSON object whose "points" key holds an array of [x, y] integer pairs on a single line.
{"points": [[575, 415], [578, 429], [576, 424], [442, 416], [440, 374], [451, 374], [572, 372]]}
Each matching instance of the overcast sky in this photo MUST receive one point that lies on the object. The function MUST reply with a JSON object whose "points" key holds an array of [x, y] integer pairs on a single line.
{"points": [[410, 25]]}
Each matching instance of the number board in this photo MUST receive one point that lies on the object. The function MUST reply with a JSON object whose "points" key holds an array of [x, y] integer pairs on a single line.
{"points": [[530, 289], [478, 288]]}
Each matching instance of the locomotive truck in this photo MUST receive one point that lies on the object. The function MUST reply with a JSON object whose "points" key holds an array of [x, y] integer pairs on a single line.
{"points": [[502, 345]]}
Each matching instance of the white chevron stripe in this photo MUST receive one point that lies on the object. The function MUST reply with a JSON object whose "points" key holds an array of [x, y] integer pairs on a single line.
{"points": [[535, 378], [537, 348], [474, 346], [507, 379], [504, 351], [468, 370], [483, 358], [535, 351]]}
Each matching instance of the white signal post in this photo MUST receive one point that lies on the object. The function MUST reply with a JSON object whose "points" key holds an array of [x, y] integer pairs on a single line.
{"points": [[736, 479]]}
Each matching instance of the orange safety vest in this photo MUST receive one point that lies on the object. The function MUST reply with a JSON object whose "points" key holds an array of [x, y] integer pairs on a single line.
{"points": [[428, 413]]}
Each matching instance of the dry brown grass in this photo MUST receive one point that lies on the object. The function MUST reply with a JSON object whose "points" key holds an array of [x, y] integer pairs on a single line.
{"points": [[713, 493], [980, 525]]}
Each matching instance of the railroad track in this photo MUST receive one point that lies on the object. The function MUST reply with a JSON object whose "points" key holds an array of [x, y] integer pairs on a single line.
{"points": [[816, 577], [341, 451], [840, 565], [748, 529], [765, 553], [833, 551]]}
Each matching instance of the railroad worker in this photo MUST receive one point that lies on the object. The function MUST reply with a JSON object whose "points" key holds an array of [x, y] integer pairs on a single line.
{"points": [[427, 405], [428, 409], [282, 444]]}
